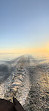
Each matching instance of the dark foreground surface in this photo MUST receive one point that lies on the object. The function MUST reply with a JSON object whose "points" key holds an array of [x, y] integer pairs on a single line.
{"points": [[27, 79], [6, 105]]}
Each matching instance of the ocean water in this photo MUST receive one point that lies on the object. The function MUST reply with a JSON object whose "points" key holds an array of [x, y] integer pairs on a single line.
{"points": [[27, 79]]}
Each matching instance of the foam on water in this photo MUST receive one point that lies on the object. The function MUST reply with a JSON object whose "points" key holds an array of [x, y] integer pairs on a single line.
{"points": [[17, 80], [18, 83]]}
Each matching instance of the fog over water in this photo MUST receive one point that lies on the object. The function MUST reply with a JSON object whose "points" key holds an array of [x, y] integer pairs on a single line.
{"points": [[27, 79]]}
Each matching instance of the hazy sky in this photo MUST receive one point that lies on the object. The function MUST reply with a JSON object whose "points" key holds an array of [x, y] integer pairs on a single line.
{"points": [[24, 24]]}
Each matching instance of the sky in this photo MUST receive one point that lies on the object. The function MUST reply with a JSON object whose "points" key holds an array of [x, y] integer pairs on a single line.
{"points": [[24, 26]]}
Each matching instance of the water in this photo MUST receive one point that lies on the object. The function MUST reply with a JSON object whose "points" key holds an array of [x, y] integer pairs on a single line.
{"points": [[27, 79]]}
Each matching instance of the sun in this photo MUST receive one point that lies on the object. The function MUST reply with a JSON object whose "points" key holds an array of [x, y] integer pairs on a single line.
{"points": [[47, 47]]}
